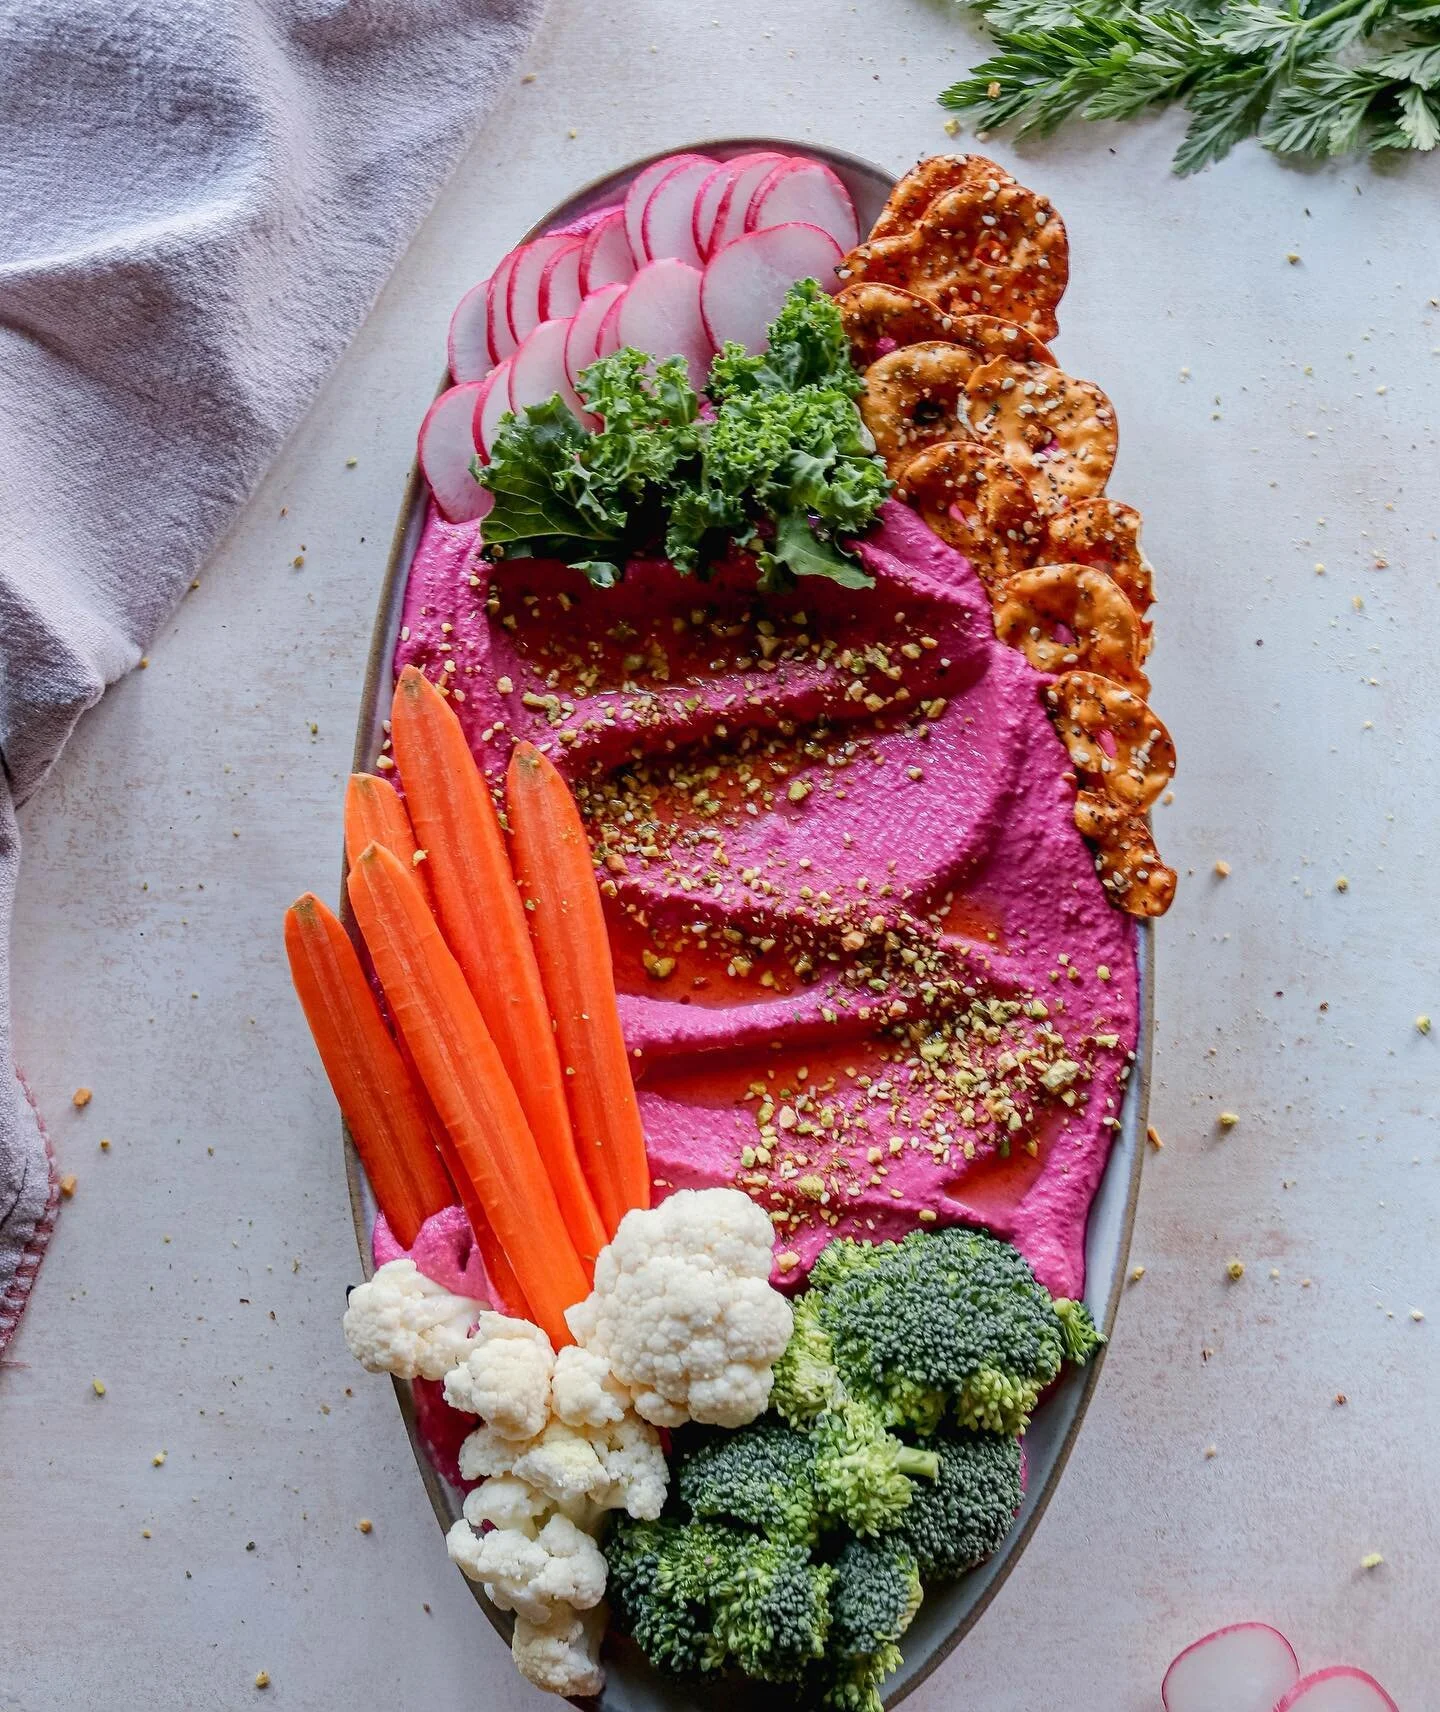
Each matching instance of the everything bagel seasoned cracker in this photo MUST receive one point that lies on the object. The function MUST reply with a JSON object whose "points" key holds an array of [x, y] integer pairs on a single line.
{"points": [[1126, 859], [916, 397], [879, 319], [1106, 533], [928, 179], [1057, 432], [974, 501], [1115, 742], [1067, 618]]}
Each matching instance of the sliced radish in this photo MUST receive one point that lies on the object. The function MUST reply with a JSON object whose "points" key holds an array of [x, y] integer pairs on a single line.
{"points": [[497, 320], [660, 314], [607, 340], [522, 295], [446, 450], [667, 225], [707, 206], [1245, 1668], [582, 340], [468, 342], [746, 282], [606, 256], [641, 187], [747, 175], [537, 370], [1342, 1688], [560, 282], [491, 403], [804, 190]]}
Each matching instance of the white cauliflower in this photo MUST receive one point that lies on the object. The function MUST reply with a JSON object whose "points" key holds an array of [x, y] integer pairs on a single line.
{"points": [[506, 1502], [683, 1312], [560, 1566], [404, 1323], [504, 1377], [618, 1466], [583, 1391], [563, 1655]]}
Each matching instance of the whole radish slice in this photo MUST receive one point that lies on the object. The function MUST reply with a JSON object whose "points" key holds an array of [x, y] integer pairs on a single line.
{"points": [[446, 450], [1245, 1668], [745, 180], [641, 188], [667, 225], [581, 342], [491, 403], [560, 282], [1342, 1688], [605, 258], [660, 314], [707, 205], [537, 370], [522, 297], [497, 318], [805, 190], [607, 339], [468, 342], [745, 283]]}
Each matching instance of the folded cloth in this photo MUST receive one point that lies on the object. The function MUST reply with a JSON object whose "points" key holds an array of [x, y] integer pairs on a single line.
{"points": [[199, 200]]}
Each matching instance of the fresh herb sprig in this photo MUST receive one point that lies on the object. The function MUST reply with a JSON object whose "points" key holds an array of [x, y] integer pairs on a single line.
{"points": [[1309, 78], [782, 465]]}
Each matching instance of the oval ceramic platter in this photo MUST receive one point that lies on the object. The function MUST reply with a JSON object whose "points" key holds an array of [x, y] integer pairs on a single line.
{"points": [[948, 1613]]}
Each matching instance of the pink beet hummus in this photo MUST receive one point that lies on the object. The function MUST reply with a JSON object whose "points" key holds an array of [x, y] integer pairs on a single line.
{"points": [[867, 971]]}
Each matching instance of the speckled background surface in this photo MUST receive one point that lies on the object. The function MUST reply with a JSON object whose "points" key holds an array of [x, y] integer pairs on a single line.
{"points": [[199, 1269]]}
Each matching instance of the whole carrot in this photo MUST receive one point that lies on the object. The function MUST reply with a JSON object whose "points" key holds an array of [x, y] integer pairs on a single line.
{"points": [[488, 1137], [385, 1111], [483, 921], [374, 814], [567, 925]]}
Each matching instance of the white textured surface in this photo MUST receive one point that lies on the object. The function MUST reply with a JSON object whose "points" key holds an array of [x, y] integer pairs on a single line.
{"points": [[205, 793]]}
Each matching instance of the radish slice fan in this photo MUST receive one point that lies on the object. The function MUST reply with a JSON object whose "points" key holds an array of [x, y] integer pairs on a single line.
{"points": [[1342, 1688], [491, 402], [537, 370], [660, 314], [1245, 1668], [805, 190], [468, 342], [446, 450], [746, 283]]}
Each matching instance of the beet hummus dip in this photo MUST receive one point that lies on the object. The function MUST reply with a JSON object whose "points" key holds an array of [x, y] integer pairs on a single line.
{"points": [[867, 972]]}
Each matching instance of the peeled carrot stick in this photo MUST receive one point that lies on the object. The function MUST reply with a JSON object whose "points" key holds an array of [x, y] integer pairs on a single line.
{"points": [[506, 1296], [374, 814], [461, 1068], [567, 925], [483, 920], [384, 1109]]}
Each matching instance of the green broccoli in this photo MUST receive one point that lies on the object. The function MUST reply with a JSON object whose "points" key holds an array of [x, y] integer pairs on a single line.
{"points": [[951, 1318], [770, 1607], [806, 1381], [958, 1519], [876, 1595], [865, 1475], [763, 1475], [657, 1586]]}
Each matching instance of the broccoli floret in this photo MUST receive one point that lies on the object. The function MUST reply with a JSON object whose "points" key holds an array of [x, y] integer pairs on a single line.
{"points": [[877, 1593], [657, 1586], [770, 1605], [865, 1475], [948, 1318], [958, 1519], [763, 1474], [1077, 1327], [805, 1378]]}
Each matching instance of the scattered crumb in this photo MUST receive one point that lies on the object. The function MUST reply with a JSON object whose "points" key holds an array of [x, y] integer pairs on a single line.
{"points": [[1235, 1270], [145, 1534], [1136, 1274], [1417, 1315], [98, 1387], [1228, 1120], [68, 1183], [298, 560], [1292, 256], [951, 127], [1371, 1560], [1223, 870], [158, 1460], [144, 662], [1211, 1451], [262, 1678], [350, 463], [365, 1525], [1341, 1399], [926, 1215], [787, 1262], [104, 1143], [1342, 884], [1274, 1271], [1422, 1024], [1152, 1135], [80, 1098]]}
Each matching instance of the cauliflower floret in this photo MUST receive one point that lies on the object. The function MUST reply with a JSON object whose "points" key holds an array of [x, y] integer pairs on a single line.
{"points": [[619, 1466], [504, 1377], [561, 1566], [506, 1502], [635, 1467], [404, 1323], [583, 1391], [682, 1309], [563, 1462], [486, 1452], [563, 1655]]}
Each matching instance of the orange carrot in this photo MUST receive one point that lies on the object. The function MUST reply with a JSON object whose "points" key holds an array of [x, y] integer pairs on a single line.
{"points": [[461, 1068], [573, 950], [506, 1296], [483, 920], [374, 814], [384, 1109]]}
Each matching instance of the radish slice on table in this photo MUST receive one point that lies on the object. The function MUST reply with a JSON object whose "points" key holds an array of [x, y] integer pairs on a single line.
{"points": [[468, 342], [749, 173], [605, 258], [1245, 1668], [497, 318], [660, 314], [446, 450], [491, 403], [1342, 1688], [560, 282], [642, 186], [667, 225], [805, 190], [746, 282], [537, 370], [522, 297], [580, 343]]}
